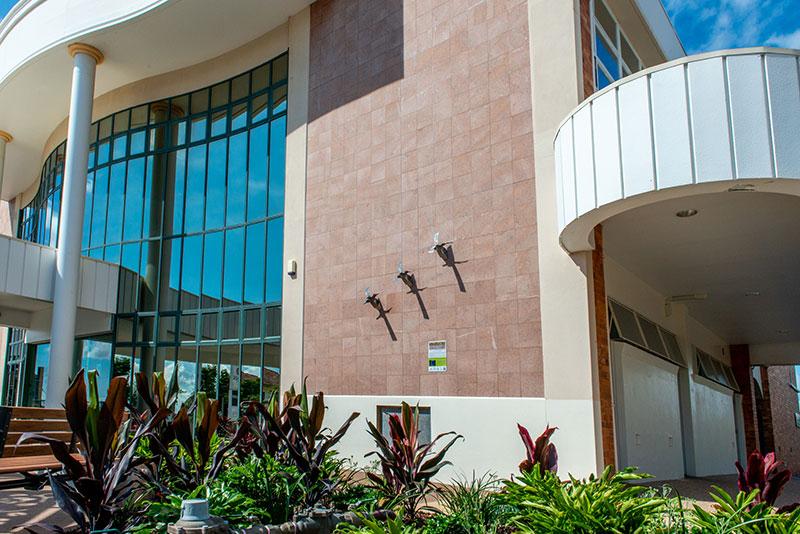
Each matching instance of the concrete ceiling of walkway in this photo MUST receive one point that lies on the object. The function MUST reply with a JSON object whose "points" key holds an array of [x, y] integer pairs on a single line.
{"points": [[35, 98], [738, 243]]}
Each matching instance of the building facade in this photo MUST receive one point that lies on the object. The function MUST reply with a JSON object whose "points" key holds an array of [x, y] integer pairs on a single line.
{"points": [[466, 205]]}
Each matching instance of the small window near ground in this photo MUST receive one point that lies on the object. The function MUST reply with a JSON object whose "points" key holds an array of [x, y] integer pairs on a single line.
{"points": [[423, 424]]}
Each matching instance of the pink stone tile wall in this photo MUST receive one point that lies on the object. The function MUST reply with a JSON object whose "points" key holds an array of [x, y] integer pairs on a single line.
{"points": [[421, 123]]}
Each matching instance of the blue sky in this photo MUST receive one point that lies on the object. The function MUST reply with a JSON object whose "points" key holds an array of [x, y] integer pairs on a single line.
{"points": [[705, 25]]}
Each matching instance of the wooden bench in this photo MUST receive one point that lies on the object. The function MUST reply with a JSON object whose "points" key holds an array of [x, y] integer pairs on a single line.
{"points": [[30, 459]]}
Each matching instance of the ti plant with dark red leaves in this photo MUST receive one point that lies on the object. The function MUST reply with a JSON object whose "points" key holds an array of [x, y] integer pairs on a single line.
{"points": [[93, 491], [765, 474], [196, 443], [407, 465], [541, 453], [268, 422], [304, 439]]}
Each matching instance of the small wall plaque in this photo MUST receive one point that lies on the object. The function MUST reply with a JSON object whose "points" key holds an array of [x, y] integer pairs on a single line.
{"points": [[437, 356]]}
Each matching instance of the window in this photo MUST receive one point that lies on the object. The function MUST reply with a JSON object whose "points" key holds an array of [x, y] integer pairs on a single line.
{"points": [[714, 370], [614, 56], [423, 424], [186, 194], [630, 327]]}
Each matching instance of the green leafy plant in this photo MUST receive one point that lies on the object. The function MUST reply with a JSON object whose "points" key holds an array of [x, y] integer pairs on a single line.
{"points": [[95, 491], [371, 525], [303, 437], [468, 507], [743, 514], [407, 465], [223, 501], [274, 490], [764, 473], [195, 463], [541, 453], [596, 505]]}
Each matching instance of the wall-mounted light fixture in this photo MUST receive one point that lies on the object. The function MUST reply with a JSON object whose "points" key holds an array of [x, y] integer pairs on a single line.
{"points": [[440, 248], [291, 268], [373, 301], [406, 276]]}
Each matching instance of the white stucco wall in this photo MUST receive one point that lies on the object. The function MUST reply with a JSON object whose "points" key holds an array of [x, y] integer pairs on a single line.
{"points": [[489, 425], [648, 412]]}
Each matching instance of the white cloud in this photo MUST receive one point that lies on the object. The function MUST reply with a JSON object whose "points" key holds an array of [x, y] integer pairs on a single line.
{"points": [[786, 40]]}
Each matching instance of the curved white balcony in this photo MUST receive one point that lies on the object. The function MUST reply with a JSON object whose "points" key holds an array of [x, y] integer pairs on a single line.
{"points": [[706, 123]]}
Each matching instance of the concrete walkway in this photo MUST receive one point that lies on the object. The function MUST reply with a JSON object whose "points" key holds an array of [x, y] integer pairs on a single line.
{"points": [[19, 506]]}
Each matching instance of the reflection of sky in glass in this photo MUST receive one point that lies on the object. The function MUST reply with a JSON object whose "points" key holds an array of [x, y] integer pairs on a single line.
{"points": [[219, 192], [42, 361], [96, 356]]}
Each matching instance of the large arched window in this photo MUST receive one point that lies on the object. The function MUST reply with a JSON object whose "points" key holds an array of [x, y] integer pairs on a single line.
{"points": [[186, 195]]}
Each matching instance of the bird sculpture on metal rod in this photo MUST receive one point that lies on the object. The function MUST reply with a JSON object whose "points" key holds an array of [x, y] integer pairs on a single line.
{"points": [[440, 248], [406, 276], [373, 301]]}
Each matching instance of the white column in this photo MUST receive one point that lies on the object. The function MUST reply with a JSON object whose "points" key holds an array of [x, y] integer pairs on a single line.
{"points": [[4, 139], [68, 254]]}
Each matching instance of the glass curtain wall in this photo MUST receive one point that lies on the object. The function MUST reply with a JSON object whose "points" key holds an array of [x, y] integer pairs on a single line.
{"points": [[186, 195]]}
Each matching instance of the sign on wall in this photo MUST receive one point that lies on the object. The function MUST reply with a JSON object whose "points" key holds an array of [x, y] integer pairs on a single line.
{"points": [[437, 356]]}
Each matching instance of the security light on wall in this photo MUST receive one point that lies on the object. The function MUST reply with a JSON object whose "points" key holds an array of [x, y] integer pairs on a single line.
{"points": [[681, 298], [291, 268]]}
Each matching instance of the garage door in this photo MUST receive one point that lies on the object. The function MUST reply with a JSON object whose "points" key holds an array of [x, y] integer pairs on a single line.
{"points": [[647, 412]]}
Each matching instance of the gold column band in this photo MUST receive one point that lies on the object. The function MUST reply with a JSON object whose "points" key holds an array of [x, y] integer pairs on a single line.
{"points": [[81, 48]]}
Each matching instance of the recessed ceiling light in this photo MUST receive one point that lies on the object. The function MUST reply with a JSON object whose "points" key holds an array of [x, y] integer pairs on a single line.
{"points": [[781, 331], [687, 213], [753, 294]]}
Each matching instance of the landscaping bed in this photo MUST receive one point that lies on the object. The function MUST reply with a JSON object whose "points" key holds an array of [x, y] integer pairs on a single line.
{"points": [[277, 470]]}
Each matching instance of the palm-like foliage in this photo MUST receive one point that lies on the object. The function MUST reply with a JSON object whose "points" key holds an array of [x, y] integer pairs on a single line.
{"points": [[302, 437], [95, 490], [407, 465]]}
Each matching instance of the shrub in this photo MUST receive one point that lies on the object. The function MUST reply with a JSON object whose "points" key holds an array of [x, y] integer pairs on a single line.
{"points": [[298, 434], [588, 506], [469, 507], [95, 493], [407, 466], [764, 473], [743, 515]]}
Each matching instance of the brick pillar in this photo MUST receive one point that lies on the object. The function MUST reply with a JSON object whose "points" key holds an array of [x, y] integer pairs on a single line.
{"points": [[601, 335], [586, 48], [740, 362], [766, 413]]}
